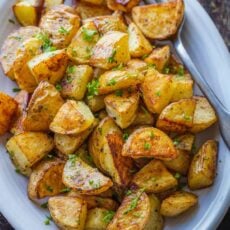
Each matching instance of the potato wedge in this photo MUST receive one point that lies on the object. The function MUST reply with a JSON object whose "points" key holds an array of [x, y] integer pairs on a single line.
{"points": [[159, 21], [28, 148], [61, 23], [43, 106], [202, 171], [125, 6], [111, 50], [184, 142], [204, 115], [178, 203], [149, 142], [73, 117], [177, 116], [48, 4], [46, 179], [8, 108], [137, 64], [83, 178], [122, 106], [138, 44], [154, 178], [50, 66], [68, 212], [96, 103]]}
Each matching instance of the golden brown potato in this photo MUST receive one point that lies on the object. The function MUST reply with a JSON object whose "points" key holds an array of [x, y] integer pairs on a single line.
{"points": [[68, 212], [61, 23], [184, 142], [73, 117], [125, 6], [48, 4], [10, 47], [149, 142], [177, 116], [111, 50], [43, 106], [138, 44], [83, 178], [95, 2], [122, 106], [178, 203], [46, 179], [154, 178], [49, 66], [159, 21], [137, 64], [96, 103], [8, 108], [202, 170], [28, 148], [204, 115]]}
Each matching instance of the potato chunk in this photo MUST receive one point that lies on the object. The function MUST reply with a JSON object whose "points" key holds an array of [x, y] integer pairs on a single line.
{"points": [[68, 212], [96, 2], [178, 203], [8, 108], [149, 142], [83, 178], [61, 23], [202, 170], [124, 6], [43, 106], [123, 108], [28, 148], [72, 118], [46, 179], [96, 103], [48, 4], [159, 21], [111, 50], [184, 142], [154, 178]]}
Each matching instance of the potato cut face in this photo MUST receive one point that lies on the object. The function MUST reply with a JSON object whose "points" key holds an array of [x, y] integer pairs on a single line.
{"points": [[202, 171], [111, 50], [159, 21], [52, 3], [83, 178], [73, 117], [43, 106], [68, 212], [46, 179], [154, 178], [61, 23], [96, 103], [177, 116], [178, 203], [184, 142], [49, 66], [28, 148], [8, 109], [122, 6], [149, 142], [122, 106], [133, 213]]}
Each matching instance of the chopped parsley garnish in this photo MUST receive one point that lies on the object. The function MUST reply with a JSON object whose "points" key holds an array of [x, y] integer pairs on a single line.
{"points": [[147, 146], [49, 188], [187, 118], [93, 88], [17, 38], [17, 170], [108, 216], [71, 69], [176, 141], [58, 87], [158, 93], [44, 205], [111, 59], [119, 93], [125, 136], [166, 70], [63, 31], [47, 220], [72, 159], [47, 45], [91, 182], [151, 135], [111, 82], [180, 71], [144, 56], [65, 190], [69, 79], [16, 90], [152, 65], [11, 21], [119, 67], [129, 192], [177, 175], [88, 34]]}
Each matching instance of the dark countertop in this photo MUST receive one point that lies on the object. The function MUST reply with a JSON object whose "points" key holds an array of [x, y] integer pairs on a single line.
{"points": [[219, 10]]}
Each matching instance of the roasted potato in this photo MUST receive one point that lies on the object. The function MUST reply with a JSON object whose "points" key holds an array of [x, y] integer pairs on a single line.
{"points": [[73, 117], [96, 103], [48, 4], [139, 46], [154, 178], [95, 2], [159, 21], [137, 64], [49, 66], [202, 171], [178, 203], [46, 179], [43, 106], [8, 108], [184, 142], [74, 84], [68, 212], [83, 178], [28, 148], [111, 50], [61, 23], [122, 106], [125, 6], [204, 115], [177, 116], [149, 142]]}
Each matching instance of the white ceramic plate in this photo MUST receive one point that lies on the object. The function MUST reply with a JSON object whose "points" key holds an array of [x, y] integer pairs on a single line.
{"points": [[211, 56]]}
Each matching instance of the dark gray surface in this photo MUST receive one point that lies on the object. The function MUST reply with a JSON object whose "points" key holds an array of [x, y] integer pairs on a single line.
{"points": [[219, 10]]}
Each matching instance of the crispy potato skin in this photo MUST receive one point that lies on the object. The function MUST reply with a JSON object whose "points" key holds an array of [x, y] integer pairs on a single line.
{"points": [[68, 213], [178, 203], [125, 7], [46, 179], [202, 170], [8, 108]]}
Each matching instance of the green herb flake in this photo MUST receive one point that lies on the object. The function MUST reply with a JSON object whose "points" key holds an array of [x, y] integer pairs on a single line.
{"points": [[166, 70], [119, 67], [15, 90], [100, 130], [152, 65], [65, 190], [144, 56], [93, 88], [18, 38], [125, 136], [71, 69], [47, 45], [187, 118], [44, 205], [147, 146], [111, 59], [180, 71], [176, 141], [118, 93], [88, 34], [151, 135], [72, 159], [111, 82], [17, 170], [108, 216], [158, 93], [177, 175], [49, 188], [129, 192], [63, 31], [91, 182], [11, 21], [69, 79], [58, 87], [47, 220]]}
